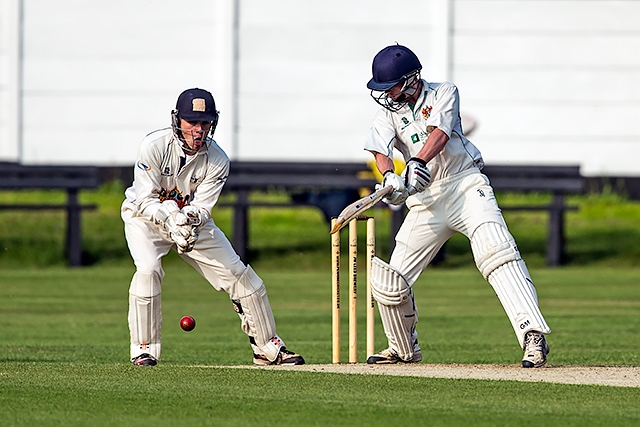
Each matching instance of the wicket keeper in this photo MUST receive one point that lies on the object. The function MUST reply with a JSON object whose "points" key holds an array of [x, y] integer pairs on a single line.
{"points": [[178, 178]]}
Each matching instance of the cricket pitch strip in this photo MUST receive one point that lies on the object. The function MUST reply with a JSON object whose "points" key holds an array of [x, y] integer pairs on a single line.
{"points": [[618, 376]]}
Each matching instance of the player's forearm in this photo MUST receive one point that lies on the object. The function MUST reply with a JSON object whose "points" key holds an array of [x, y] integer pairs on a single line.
{"points": [[384, 163], [434, 144]]}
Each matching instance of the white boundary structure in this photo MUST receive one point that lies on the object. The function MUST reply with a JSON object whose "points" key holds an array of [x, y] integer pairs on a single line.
{"points": [[10, 79], [549, 82]]}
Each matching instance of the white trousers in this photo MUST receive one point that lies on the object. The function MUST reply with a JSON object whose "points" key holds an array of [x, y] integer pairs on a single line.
{"points": [[212, 256], [461, 203], [458, 204]]}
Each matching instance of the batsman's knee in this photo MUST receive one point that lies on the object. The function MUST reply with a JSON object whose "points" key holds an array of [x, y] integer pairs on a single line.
{"points": [[493, 246], [388, 286]]}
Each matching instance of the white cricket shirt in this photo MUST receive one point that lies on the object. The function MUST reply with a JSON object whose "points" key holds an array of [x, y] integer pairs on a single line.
{"points": [[406, 130]]}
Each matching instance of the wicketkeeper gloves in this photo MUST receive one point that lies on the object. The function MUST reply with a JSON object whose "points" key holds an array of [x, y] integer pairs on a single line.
{"points": [[176, 224], [196, 216]]}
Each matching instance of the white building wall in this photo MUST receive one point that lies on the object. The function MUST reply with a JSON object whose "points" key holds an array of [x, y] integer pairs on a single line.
{"points": [[552, 82], [9, 80], [547, 81], [304, 67], [98, 76]]}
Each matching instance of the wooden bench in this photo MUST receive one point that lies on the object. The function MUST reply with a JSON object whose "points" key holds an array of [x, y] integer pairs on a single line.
{"points": [[328, 186], [557, 180], [331, 186], [334, 179], [69, 178]]}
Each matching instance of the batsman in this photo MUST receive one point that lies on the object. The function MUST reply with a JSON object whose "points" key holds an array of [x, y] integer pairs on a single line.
{"points": [[446, 193], [178, 178]]}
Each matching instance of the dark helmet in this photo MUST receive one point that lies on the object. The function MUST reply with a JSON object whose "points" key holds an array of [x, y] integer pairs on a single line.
{"points": [[392, 65], [194, 105]]}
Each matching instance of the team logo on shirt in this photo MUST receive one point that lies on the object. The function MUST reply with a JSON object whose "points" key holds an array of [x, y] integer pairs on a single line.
{"points": [[405, 123], [426, 112], [419, 137], [142, 166], [174, 195]]}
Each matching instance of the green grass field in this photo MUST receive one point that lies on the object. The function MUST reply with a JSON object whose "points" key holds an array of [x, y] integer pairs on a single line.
{"points": [[64, 353], [64, 336]]}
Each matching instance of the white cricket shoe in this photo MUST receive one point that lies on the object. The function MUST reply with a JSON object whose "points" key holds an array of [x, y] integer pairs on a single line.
{"points": [[274, 352], [389, 356], [285, 357], [535, 350]]}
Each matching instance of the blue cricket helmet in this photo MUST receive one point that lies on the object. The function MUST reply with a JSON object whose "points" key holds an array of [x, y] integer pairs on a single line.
{"points": [[392, 65]]}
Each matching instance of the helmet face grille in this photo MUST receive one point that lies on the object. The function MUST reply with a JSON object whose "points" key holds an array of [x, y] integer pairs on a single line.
{"points": [[178, 132], [392, 65], [409, 89]]}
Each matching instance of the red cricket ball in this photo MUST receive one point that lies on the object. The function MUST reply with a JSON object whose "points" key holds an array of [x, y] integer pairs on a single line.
{"points": [[187, 323]]}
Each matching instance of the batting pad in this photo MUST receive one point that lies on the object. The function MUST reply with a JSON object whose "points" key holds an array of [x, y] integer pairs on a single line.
{"points": [[145, 314], [388, 286], [396, 305], [498, 259], [399, 322], [492, 246], [249, 296], [518, 296]]}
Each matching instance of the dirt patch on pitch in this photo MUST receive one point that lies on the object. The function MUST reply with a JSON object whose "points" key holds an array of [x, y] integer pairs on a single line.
{"points": [[628, 376]]}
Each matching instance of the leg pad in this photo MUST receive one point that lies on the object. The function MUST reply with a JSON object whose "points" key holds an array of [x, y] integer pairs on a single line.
{"points": [[397, 307], [250, 301], [145, 314]]}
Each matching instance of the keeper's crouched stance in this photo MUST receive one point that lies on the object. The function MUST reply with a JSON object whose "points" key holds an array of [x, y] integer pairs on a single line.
{"points": [[446, 193], [178, 179]]}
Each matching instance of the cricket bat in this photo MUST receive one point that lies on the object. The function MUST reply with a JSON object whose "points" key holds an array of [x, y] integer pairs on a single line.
{"points": [[359, 206]]}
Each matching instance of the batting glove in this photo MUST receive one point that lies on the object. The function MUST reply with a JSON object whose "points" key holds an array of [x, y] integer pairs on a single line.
{"points": [[399, 193], [417, 176]]}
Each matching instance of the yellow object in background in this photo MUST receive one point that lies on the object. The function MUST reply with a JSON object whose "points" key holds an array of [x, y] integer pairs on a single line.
{"points": [[398, 164]]}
